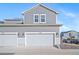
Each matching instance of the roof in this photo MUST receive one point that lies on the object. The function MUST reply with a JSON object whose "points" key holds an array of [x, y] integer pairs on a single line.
{"points": [[69, 31], [72, 31], [14, 19], [30, 25], [41, 6]]}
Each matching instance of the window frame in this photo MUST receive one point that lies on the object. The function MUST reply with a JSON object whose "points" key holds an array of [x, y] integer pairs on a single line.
{"points": [[21, 35], [34, 18], [45, 18]]}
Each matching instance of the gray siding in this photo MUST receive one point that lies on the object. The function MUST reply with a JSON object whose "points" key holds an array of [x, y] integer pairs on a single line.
{"points": [[50, 16], [29, 29]]}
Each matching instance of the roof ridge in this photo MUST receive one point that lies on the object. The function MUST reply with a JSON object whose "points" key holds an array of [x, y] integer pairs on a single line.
{"points": [[48, 8], [40, 4]]}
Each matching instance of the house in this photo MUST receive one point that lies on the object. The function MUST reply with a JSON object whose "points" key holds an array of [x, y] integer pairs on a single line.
{"points": [[37, 28], [71, 33]]}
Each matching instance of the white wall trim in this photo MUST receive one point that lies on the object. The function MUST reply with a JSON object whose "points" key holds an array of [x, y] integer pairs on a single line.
{"points": [[25, 40], [17, 42]]}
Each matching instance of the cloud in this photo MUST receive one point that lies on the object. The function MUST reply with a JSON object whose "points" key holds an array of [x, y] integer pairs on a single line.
{"points": [[65, 28], [69, 20], [59, 21], [68, 14]]}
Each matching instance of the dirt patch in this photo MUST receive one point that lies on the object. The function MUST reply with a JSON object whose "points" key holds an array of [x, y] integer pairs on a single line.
{"points": [[69, 46]]}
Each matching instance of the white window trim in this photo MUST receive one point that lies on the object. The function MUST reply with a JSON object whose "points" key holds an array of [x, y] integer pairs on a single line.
{"points": [[34, 18], [40, 18]]}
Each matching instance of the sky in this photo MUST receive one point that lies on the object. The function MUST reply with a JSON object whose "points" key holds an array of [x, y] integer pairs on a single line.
{"points": [[68, 13]]}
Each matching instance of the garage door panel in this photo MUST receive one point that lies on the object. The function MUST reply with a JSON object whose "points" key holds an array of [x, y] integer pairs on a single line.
{"points": [[32, 40], [8, 40], [39, 40]]}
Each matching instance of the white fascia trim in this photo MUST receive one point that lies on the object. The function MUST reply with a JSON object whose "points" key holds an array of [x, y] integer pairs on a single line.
{"points": [[34, 18], [8, 33], [39, 32], [45, 18]]}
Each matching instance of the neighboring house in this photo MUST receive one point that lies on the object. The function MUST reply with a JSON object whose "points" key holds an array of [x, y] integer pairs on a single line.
{"points": [[13, 21], [37, 28], [70, 34], [1, 22]]}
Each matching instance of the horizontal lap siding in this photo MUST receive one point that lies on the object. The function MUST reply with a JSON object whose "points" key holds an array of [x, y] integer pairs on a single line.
{"points": [[50, 16], [29, 29]]}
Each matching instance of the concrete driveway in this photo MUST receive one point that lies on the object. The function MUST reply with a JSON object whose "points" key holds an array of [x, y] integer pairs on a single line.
{"points": [[47, 51], [38, 51]]}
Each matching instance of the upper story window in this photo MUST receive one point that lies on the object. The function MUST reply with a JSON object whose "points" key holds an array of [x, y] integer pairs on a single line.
{"points": [[36, 18], [43, 18], [39, 18]]}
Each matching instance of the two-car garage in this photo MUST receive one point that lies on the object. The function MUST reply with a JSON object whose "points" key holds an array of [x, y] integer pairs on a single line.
{"points": [[30, 39]]}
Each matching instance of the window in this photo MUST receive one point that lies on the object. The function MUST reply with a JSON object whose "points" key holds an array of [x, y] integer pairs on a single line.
{"points": [[39, 18], [43, 18], [57, 35], [21, 35], [36, 18]]}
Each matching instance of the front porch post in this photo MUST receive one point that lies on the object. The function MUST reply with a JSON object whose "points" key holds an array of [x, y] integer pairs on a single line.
{"points": [[17, 42], [25, 39], [59, 40]]}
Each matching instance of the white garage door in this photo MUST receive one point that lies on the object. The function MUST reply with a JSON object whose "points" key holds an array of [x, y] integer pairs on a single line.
{"points": [[8, 39], [39, 39]]}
